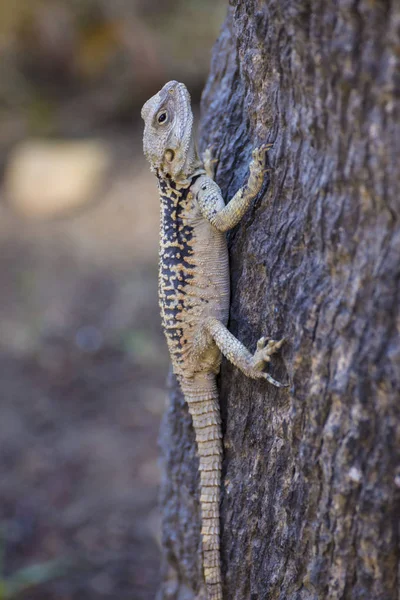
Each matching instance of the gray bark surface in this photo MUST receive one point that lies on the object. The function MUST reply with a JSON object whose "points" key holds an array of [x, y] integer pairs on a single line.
{"points": [[311, 476]]}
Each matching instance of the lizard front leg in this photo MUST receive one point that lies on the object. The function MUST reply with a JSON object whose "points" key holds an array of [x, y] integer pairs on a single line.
{"points": [[251, 365], [210, 199]]}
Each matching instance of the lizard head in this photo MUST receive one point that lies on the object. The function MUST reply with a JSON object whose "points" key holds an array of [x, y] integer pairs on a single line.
{"points": [[168, 141]]}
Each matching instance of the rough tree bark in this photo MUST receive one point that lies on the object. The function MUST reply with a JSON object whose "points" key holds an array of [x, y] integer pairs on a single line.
{"points": [[309, 476]]}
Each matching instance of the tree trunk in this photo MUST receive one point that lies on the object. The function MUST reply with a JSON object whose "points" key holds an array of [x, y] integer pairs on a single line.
{"points": [[308, 506]]}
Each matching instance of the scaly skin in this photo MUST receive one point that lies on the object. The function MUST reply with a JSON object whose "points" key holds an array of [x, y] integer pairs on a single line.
{"points": [[194, 288]]}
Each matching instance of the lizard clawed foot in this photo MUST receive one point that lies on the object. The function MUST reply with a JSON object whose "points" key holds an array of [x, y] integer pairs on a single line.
{"points": [[264, 352], [209, 162], [259, 154], [263, 355], [257, 165]]}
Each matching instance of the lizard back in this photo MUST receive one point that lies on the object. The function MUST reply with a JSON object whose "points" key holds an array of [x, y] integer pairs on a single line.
{"points": [[193, 272]]}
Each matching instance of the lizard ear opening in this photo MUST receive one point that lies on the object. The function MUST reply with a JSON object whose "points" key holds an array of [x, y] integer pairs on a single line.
{"points": [[169, 155]]}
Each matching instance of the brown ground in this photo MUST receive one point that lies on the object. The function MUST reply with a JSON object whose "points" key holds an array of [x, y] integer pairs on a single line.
{"points": [[83, 366]]}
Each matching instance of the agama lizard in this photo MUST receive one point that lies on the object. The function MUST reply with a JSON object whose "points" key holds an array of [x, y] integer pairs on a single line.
{"points": [[194, 288]]}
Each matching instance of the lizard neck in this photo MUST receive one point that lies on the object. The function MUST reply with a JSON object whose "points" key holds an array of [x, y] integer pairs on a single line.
{"points": [[182, 173], [183, 182], [192, 163]]}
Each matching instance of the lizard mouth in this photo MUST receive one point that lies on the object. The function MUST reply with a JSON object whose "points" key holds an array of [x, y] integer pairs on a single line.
{"points": [[169, 155]]}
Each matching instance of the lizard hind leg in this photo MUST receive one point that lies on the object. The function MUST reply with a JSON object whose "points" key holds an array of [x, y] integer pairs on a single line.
{"points": [[251, 365]]}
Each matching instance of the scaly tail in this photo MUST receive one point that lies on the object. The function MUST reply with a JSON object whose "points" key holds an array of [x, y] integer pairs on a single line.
{"points": [[201, 394]]}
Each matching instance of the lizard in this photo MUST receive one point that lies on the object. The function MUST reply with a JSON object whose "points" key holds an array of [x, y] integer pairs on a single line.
{"points": [[194, 288]]}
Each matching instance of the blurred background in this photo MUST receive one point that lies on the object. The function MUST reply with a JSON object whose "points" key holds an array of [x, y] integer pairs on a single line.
{"points": [[82, 358]]}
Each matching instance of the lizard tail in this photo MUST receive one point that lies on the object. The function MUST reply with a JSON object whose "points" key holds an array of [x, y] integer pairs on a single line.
{"points": [[201, 395]]}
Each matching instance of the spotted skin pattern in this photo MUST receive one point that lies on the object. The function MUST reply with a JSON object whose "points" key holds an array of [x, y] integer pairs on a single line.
{"points": [[176, 264], [194, 288]]}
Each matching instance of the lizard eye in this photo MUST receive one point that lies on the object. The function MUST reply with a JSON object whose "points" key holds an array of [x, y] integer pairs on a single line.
{"points": [[162, 117]]}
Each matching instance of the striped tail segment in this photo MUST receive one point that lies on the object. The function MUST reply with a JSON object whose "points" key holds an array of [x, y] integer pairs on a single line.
{"points": [[201, 394]]}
